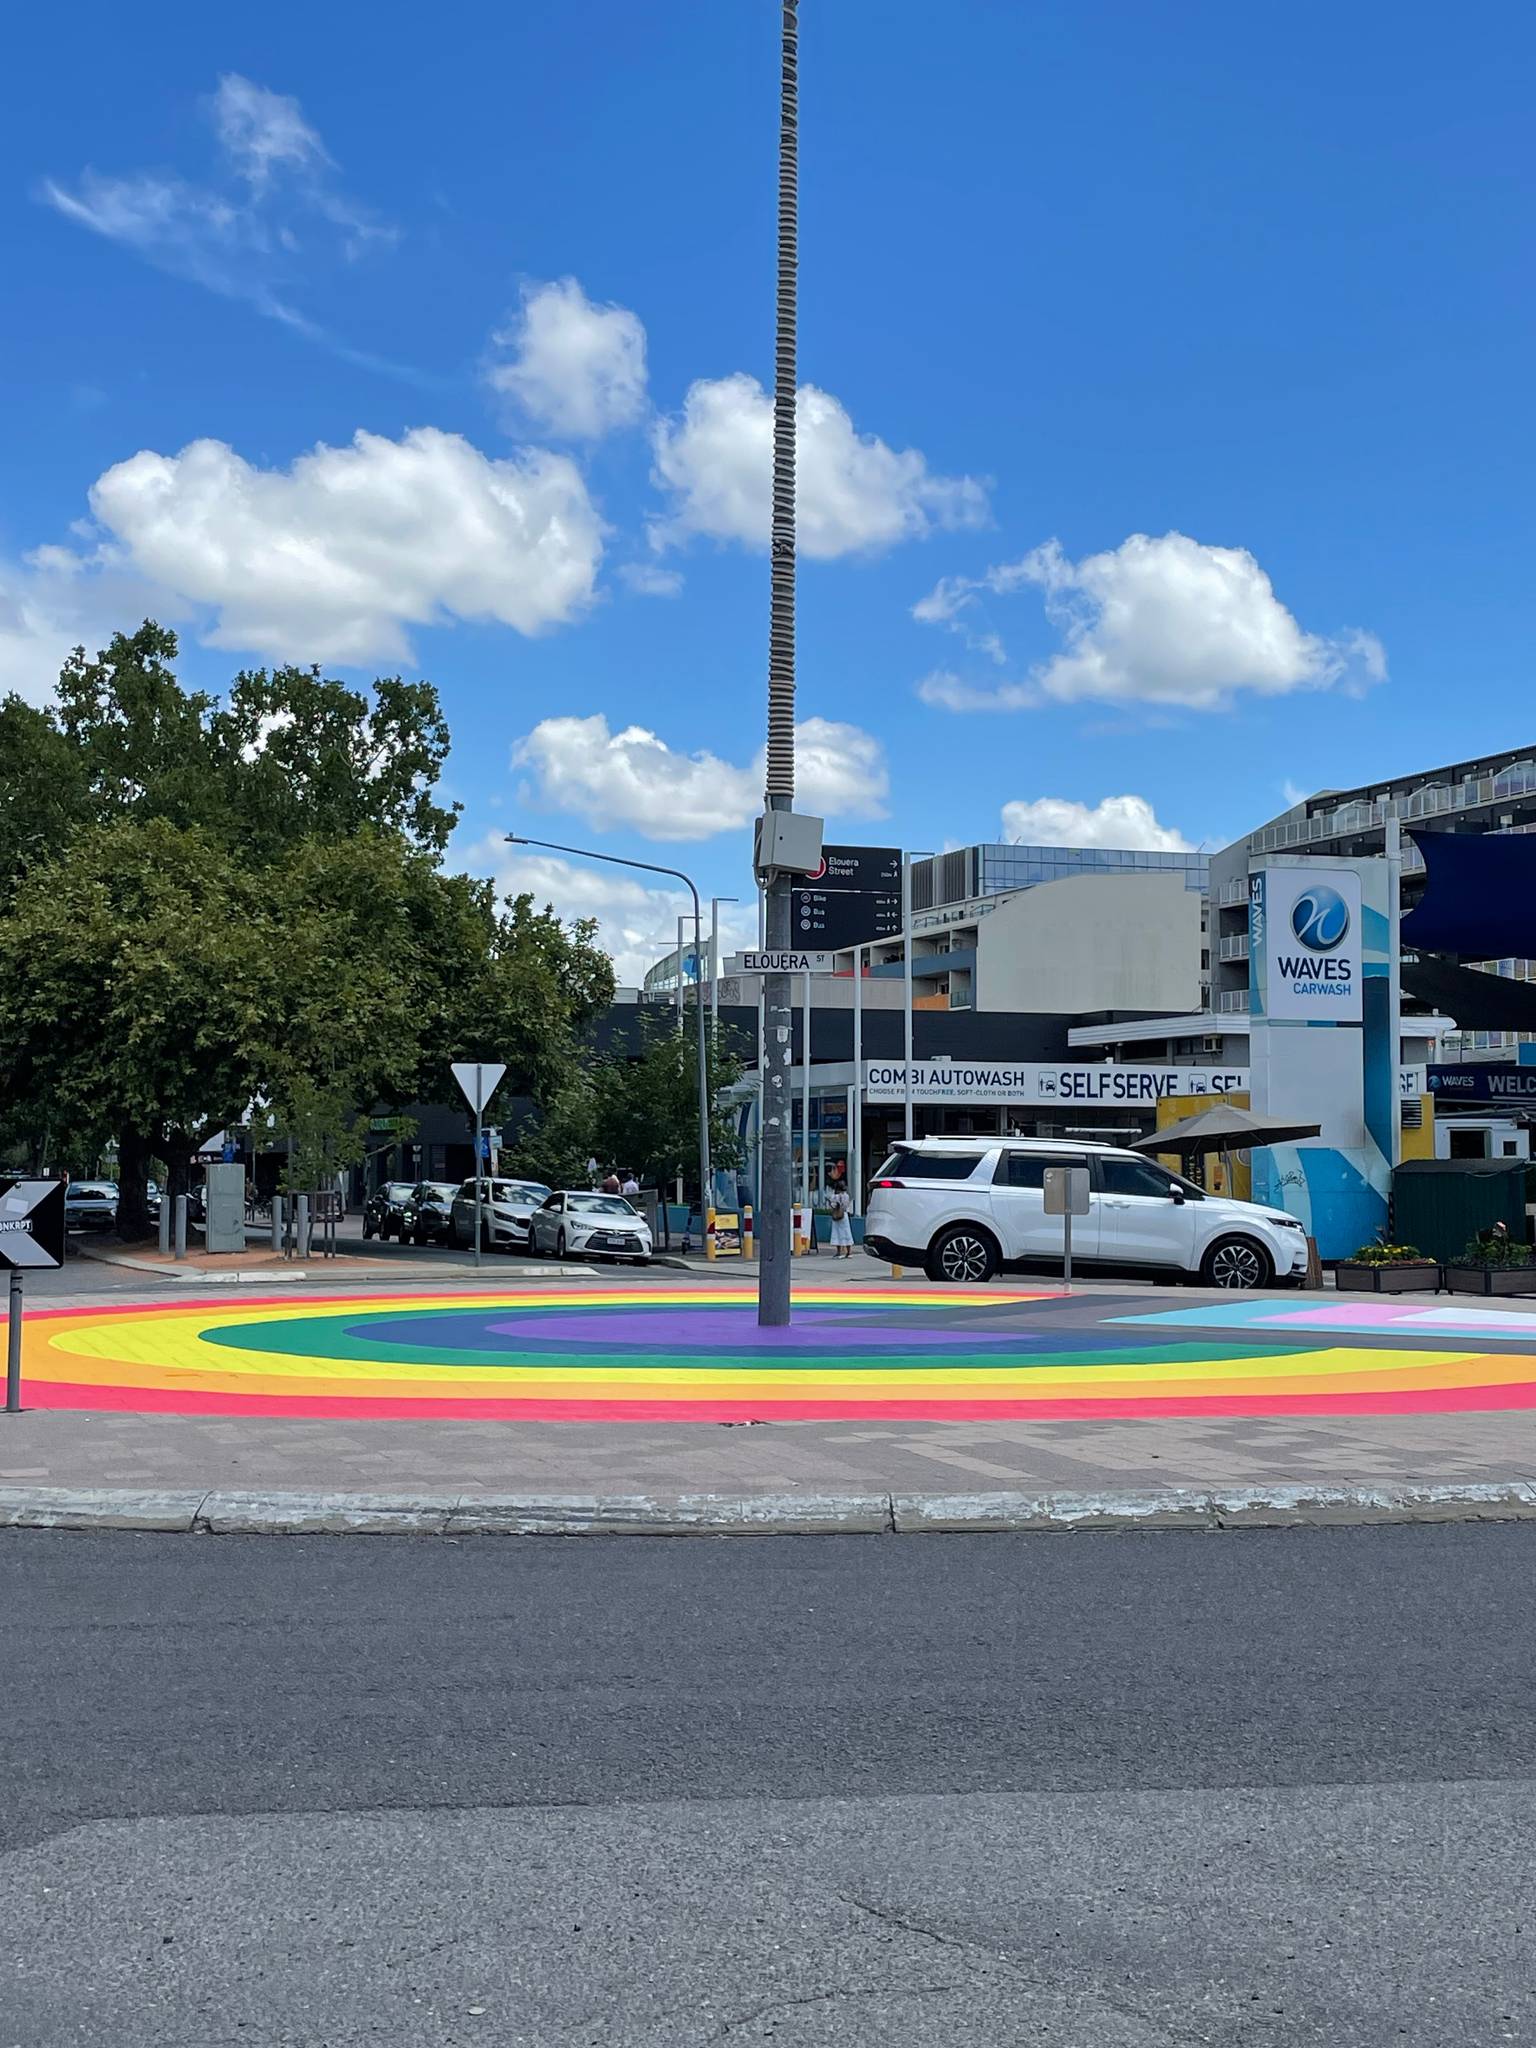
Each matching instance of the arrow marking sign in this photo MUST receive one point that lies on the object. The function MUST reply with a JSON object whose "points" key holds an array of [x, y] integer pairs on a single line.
{"points": [[32, 1224]]}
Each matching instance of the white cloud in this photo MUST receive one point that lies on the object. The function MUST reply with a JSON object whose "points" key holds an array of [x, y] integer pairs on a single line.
{"points": [[259, 128], [51, 603], [576, 368], [632, 778], [942, 687], [647, 579], [333, 558], [854, 494], [1125, 822], [272, 206], [636, 924], [1157, 622]]}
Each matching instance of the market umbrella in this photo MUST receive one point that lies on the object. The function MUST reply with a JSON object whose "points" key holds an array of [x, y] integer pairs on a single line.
{"points": [[1223, 1128]]}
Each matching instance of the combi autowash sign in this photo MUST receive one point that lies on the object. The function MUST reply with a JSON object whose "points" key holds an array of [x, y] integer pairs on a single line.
{"points": [[1021, 1082], [1304, 944]]}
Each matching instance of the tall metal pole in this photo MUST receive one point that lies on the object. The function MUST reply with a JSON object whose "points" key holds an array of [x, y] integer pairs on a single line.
{"points": [[856, 1110], [906, 977], [805, 1098], [773, 1273], [617, 860], [682, 940], [1394, 837], [762, 1040]]}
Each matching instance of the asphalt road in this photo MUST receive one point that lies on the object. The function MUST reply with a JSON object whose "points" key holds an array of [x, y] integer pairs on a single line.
{"points": [[1088, 1792]]}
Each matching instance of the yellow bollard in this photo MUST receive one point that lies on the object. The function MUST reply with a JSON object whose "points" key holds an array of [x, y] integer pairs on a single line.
{"points": [[709, 1235], [748, 1249]]}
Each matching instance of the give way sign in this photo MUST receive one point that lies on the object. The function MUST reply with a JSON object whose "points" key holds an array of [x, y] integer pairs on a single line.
{"points": [[31, 1222], [479, 1080]]}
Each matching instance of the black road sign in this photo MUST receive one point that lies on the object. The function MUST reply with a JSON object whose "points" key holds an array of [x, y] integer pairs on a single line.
{"points": [[876, 868], [31, 1222], [856, 897]]}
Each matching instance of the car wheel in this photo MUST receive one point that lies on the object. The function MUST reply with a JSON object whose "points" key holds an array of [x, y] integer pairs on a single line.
{"points": [[1237, 1262], [367, 1230], [963, 1253], [560, 1245]]}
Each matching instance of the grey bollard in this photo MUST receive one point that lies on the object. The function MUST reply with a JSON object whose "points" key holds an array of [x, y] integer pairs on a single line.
{"points": [[181, 1226], [163, 1225], [277, 1223], [301, 1231]]}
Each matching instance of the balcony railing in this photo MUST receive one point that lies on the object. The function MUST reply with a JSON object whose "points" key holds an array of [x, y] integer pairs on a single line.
{"points": [[1434, 801], [1236, 947], [1233, 1002]]}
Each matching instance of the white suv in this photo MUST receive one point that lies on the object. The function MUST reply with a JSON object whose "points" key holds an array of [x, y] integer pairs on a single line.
{"points": [[962, 1208]]}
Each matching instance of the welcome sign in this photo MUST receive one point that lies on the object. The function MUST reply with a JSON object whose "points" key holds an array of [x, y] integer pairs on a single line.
{"points": [[1304, 944]]}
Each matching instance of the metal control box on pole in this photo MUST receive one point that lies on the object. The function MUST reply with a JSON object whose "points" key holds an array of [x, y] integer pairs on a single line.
{"points": [[1066, 1195]]}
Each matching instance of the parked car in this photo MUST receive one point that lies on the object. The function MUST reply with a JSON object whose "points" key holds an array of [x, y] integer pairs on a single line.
{"points": [[429, 1213], [384, 1212], [589, 1226], [964, 1208], [505, 1209], [90, 1205]]}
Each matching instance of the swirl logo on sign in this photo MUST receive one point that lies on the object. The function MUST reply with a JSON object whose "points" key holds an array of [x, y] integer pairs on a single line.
{"points": [[1320, 918]]}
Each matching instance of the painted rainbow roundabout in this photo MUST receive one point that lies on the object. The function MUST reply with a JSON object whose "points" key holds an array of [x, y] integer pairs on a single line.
{"points": [[688, 1355]]}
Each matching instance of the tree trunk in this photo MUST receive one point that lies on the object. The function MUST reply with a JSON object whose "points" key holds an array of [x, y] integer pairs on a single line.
{"points": [[133, 1157]]}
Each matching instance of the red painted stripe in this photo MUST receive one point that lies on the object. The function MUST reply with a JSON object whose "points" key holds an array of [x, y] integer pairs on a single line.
{"points": [[190, 1401]]}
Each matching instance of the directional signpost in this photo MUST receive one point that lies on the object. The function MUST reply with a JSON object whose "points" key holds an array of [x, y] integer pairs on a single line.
{"points": [[479, 1081], [31, 1235]]}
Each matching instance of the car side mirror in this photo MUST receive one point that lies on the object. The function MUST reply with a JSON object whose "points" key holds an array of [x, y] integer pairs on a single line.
{"points": [[1177, 1195]]}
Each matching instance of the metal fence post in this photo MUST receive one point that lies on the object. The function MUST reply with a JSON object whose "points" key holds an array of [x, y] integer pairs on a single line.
{"points": [[181, 1227], [302, 1231]]}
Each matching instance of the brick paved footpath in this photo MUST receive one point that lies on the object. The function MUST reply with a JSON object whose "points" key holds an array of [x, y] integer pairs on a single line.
{"points": [[44, 1447]]}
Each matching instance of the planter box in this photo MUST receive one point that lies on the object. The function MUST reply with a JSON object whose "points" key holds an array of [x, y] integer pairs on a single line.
{"points": [[1406, 1278], [1490, 1279]]}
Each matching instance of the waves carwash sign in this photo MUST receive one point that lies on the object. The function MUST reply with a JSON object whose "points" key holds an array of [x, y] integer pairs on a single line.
{"points": [[1304, 945]]}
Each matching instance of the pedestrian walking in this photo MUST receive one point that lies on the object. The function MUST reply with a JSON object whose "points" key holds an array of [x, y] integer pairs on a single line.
{"points": [[631, 1186], [841, 1208]]}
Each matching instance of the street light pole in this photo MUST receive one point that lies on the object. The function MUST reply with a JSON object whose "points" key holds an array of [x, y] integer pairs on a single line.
{"points": [[714, 958], [779, 784], [651, 868]]}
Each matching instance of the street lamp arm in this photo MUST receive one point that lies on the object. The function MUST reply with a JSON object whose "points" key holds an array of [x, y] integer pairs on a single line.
{"points": [[616, 860]]}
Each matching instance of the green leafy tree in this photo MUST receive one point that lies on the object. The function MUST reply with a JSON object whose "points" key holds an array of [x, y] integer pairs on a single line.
{"points": [[205, 905], [640, 1111]]}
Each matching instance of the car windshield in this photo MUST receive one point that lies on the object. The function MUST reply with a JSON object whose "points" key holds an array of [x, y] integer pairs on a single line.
{"points": [[518, 1191], [603, 1205], [91, 1191], [444, 1190], [395, 1190]]}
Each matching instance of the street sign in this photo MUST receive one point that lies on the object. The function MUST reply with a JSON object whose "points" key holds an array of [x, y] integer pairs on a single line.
{"points": [[854, 897], [31, 1223], [1066, 1190], [781, 963], [478, 1081], [1066, 1196]]}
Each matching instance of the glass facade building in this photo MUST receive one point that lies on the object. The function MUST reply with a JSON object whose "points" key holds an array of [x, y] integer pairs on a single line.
{"points": [[972, 872]]}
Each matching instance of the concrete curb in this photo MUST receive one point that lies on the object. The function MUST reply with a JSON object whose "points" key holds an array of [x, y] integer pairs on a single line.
{"points": [[1277, 1506], [355, 1272]]}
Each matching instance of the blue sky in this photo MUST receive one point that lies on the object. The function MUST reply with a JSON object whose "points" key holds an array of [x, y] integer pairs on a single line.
{"points": [[1165, 434]]}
